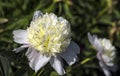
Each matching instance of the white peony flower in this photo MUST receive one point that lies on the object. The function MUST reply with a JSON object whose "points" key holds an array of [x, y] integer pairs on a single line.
{"points": [[48, 39], [105, 52]]}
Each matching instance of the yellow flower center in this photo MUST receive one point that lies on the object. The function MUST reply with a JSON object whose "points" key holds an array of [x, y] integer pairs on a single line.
{"points": [[49, 34]]}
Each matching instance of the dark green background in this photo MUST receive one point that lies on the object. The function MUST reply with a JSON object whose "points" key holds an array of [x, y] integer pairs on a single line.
{"points": [[100, 17]]}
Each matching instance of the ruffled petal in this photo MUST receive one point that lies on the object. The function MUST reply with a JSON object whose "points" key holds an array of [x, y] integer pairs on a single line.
{"points": [[95, 42], [37, 14], [106, 58], [110, 64], [70, 55], [37, 60], [56, 63], [99, 56], [20, 36], [19, 49], [103, 58]]}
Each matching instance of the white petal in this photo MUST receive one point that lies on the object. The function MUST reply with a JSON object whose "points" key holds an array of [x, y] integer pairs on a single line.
{"points": [[95, 42], [20, 36], [110, 64], [31, 52], [91, 38], [61, 19], [37, 60], [106, 72], [106, 58], [105, 69], [37, 14], [112, 54], [17, 50], [74, 47], [70, 55], [99, 56], [56, 63]]}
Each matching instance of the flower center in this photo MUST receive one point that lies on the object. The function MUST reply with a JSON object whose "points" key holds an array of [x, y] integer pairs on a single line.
{"points": [[49, 35]]}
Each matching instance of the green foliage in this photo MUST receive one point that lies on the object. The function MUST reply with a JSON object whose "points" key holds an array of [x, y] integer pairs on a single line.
{"points": [[101, 17]]}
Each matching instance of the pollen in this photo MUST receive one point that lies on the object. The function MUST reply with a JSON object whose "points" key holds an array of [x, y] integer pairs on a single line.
{"points": [[49, 34]]}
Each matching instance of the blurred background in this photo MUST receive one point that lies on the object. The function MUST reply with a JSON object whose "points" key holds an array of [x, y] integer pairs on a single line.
{"points": [[100, 17]]}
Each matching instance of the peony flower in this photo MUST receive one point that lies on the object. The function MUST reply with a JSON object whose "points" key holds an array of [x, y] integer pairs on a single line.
{"points": [[105, 52], [48, 39]]}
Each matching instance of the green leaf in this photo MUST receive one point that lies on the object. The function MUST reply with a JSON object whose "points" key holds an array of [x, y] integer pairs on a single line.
{"points": [[21, 72], [54, 74], [5, 66]]}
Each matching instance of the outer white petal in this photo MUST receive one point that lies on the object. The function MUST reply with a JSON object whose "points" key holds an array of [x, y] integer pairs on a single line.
{"points": [[20, 36], [56, 63], [95, 42], [37, 60], [31, 52], [105, 69], [17, 50], [70, 55], [106, 72], [75, 48]]}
